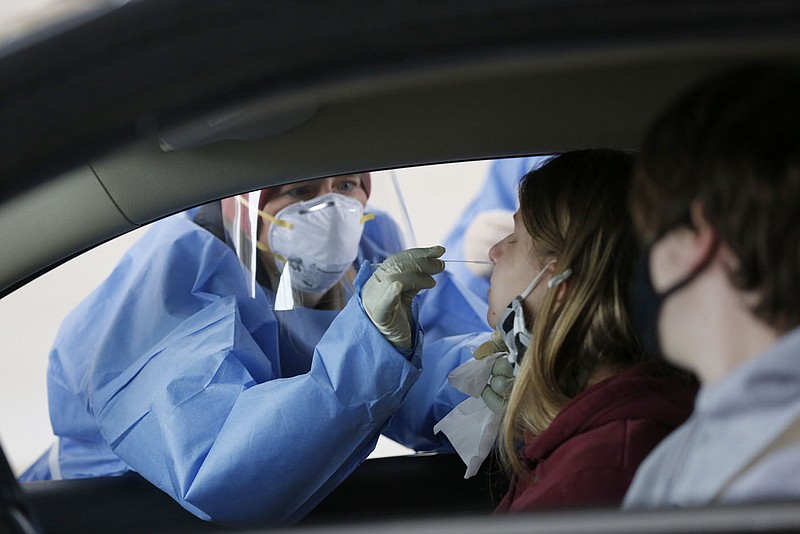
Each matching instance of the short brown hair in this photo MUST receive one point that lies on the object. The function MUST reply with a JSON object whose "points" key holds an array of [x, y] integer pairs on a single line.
{"points": [[732, 143]]}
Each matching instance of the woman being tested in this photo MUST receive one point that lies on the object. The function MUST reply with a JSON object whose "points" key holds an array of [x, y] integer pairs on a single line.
{"points": [[217, 383], [563, 382]]}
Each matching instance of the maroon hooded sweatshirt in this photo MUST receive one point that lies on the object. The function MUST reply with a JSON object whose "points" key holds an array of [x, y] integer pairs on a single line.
{"points": [[589, 453]]}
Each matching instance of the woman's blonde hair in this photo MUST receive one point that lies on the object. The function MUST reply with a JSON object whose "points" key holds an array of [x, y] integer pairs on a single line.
{"points": [[574, 208]]}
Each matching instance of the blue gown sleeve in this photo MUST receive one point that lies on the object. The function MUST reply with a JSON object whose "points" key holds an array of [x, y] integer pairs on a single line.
{"points": [[180, 373]]}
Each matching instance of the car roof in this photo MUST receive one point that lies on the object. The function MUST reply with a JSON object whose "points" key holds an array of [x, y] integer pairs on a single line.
{"points": [[157, 106]]}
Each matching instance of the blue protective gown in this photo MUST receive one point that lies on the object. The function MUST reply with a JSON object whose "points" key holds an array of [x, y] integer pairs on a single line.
{"points": [[499, 191], [171, 370]]}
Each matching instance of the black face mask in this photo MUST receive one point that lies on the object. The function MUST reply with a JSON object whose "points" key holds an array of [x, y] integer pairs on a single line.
{"points": [[646, 302]]}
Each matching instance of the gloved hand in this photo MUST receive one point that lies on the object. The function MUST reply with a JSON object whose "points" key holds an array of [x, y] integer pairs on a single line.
{"points": [[493, 345], [497, 391], [486, 229], [388, 293]]}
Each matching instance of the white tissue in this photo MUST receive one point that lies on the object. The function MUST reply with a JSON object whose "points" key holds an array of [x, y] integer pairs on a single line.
{"points": [[471, 426]]}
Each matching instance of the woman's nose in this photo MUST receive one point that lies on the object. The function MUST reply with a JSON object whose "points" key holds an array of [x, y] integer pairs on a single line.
{"points": [[495, 251]]}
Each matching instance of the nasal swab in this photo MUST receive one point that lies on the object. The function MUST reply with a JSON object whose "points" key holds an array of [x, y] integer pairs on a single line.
{"points": [[484, 262]]}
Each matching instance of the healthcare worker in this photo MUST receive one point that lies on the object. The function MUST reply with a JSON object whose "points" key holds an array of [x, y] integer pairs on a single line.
{"points": [[214, 378]]}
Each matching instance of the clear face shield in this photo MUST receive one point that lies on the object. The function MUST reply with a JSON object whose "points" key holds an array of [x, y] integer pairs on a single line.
{"points": [[303, 242]]}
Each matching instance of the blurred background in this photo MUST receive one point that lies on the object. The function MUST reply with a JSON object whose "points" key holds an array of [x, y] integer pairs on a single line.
{"points": [[21, 17]]}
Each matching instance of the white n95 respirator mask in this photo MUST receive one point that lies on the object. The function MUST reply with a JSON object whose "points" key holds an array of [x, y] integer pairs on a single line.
{"points": [[317, 240]]}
